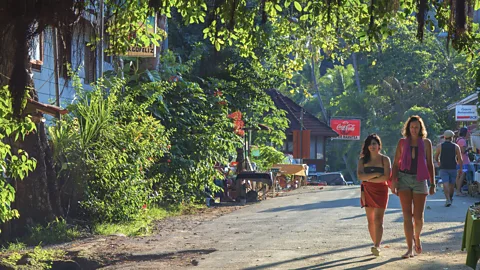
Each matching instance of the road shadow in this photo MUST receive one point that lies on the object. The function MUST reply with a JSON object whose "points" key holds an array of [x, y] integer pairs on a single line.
{"points": [[375, 265], [333, 188], [435, 210], [86, 263], [345, 249], [338, 263], [318, 205], [387, 212]]}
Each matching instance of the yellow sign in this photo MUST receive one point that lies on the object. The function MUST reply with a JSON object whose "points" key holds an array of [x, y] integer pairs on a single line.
{"points": [[150, 51]]}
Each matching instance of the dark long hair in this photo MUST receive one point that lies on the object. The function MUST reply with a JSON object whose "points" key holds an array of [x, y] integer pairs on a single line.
{"points": [[365, 154], [406, 127]]}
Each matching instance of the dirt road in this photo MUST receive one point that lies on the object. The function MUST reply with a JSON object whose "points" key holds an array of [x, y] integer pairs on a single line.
{"points": [[308, 229]]}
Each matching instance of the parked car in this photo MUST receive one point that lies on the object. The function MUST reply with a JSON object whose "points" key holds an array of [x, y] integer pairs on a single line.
{"points": [[312, 179], [332, 179]]}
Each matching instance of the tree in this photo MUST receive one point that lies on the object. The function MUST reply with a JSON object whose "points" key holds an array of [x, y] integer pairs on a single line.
{"points": [[247, 25]]}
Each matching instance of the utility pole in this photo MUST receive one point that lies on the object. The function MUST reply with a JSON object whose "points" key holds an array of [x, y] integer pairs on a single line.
{"points": [[301, 135], [55, 68], [100, 45], [315, 85]]}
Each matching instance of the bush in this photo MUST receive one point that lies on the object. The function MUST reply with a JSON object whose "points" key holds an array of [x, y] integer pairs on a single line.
{"points": [[118, 143], [268, 157]]}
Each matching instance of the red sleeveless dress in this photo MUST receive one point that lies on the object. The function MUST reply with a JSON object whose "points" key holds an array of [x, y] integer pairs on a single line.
{"points": [[376, 194]]}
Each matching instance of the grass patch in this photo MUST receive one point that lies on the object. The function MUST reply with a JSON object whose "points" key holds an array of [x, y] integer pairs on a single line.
{"points": [[144, 223], [39, 258], [14, 247], [57, 231]]}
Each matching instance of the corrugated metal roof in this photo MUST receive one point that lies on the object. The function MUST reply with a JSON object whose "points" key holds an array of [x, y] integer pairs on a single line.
{"points": [[464, 101], [310, 122]]}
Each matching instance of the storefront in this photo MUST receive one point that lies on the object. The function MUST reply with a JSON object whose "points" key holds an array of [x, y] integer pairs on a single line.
{"points": [[466, 115]]}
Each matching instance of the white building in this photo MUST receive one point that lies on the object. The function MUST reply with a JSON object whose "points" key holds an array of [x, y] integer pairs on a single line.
{"points": [[81, 57]]}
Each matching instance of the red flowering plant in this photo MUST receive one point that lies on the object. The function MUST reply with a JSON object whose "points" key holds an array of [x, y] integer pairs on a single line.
{"points": [[238, 123]]}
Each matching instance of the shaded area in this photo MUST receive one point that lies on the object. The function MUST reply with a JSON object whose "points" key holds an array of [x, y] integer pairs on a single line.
{"points": [[336, 203], [106, 260], [318, 205], [398, 239], [337, 263], [393, 211]]}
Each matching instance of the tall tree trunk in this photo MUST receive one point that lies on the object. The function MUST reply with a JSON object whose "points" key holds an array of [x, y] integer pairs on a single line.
{"points": [[357, 77], [315, 85], [37, 198]]}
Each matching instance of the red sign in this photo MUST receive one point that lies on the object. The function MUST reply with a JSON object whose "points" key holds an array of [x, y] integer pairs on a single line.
{"points": [[347, 129]]}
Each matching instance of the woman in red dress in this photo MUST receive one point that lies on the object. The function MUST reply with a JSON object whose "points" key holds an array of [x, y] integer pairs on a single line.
{"points": [[374, 172]]}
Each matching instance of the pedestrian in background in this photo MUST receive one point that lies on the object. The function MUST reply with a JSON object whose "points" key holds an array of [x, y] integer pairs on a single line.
{"points": [[374, 172], [412, 168], [462, 142], [449, 158]]}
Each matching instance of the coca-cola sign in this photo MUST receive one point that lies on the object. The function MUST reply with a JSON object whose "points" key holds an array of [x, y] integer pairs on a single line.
{"points": [[347, 129]]}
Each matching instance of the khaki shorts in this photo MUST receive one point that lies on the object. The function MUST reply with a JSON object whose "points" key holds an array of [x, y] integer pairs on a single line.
{"points": [[410, 182]]}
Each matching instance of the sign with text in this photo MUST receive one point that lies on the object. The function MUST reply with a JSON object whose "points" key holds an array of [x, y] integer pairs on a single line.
{"points": [[347, 129], [136, 51], [466, 113]]}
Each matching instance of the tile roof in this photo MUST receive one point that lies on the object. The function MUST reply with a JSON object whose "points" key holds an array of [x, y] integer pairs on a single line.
{"points": [[310, 122]]}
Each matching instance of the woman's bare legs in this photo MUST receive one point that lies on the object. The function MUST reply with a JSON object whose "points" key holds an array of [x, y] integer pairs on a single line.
{"points": [[418, 210], [375, 227], [378, 223], [406, 199], [371, 222]]}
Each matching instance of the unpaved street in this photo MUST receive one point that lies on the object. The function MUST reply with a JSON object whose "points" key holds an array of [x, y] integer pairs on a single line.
{"points": [[309, 228]]}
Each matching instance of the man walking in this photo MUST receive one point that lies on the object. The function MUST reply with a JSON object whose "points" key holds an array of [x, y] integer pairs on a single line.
{"points": [[450, 156]]}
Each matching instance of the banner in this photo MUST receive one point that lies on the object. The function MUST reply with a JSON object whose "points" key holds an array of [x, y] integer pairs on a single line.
{"points": [[347, 129], [466, 113]]}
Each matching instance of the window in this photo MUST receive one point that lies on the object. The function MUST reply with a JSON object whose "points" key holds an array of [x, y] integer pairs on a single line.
{"points": [[289, 146], [36, 52], [64, 53], [89, 65]]}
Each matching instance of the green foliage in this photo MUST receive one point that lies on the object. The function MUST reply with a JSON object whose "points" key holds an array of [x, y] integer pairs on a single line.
{"points": [[38, 258], [118, 143], [143, 224], [14, 246], [57, 231], [407, 78], [14, 164], [160, 143], [12, 259], [130, 24], [268, 157]]}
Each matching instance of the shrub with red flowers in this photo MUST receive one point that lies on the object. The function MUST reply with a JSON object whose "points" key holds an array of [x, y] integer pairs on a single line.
{"points": [[238, 123], [218, 93]]}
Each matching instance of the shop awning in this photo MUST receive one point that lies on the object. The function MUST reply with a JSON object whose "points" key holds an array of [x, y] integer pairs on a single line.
{"points": [[467, 100], [294, 169]]}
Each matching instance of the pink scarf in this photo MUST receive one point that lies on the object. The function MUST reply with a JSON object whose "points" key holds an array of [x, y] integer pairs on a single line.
{"points": [[406, 159]]}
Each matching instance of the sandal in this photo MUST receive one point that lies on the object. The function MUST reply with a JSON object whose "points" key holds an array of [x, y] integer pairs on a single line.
{"points": [[407, 255], [418, 248], [375, 251]]}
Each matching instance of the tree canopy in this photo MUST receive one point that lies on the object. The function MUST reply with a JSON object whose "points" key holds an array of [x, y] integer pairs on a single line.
{"points": [[294, 26]]}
